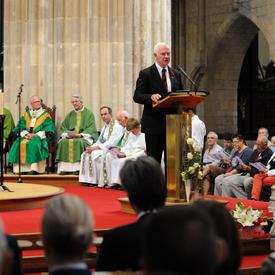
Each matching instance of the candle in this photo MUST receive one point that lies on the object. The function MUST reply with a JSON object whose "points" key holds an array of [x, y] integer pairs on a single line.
{"points": [[1, 102]]}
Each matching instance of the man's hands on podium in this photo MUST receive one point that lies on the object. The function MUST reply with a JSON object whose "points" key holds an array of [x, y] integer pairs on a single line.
{"points": [[155, 98]]}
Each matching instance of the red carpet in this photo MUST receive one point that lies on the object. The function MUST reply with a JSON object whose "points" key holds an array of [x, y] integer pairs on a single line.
{"points": [[104, 204], [106, 211]]}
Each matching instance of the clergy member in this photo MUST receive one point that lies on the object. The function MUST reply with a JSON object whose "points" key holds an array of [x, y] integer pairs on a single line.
{"points": [[35, 129], [78, 131], [109, 136], [134, 148]]}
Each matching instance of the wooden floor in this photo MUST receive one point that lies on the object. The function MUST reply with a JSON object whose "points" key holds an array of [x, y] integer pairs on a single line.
{"points": [[22, 196], [45, 179]]}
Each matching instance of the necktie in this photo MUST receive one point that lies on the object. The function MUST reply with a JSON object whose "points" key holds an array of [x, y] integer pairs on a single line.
{"points": [[164, 80]]}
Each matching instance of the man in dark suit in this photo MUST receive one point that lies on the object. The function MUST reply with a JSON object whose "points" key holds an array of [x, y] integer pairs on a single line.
{"points": [[144, 183], [152, 85], [67, 235]]}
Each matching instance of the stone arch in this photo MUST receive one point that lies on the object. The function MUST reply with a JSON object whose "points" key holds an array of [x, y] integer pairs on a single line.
{"points": [[223, 70]]}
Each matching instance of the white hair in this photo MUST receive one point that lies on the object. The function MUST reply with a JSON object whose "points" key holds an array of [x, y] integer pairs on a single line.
{"points": [[213, 133], [158, 45], [78, 96], [67, 223]]}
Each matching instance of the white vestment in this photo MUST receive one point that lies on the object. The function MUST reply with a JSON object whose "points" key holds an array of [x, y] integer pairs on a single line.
{"points": [[135, 147], [198, 130], [90, 162]]}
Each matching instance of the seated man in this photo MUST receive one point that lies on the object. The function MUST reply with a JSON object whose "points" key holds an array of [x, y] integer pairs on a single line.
{"points": [[78, 131], [67, 230], [210, 157], [176, 237], [242, 156], [116, 158], [223, 163], [262, 179], [145, 185], [35, 129], [8, 124], [110, 135], [239, 186]]}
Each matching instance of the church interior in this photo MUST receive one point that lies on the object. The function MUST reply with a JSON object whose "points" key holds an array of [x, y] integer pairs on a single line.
{"points": [[92, 51]]}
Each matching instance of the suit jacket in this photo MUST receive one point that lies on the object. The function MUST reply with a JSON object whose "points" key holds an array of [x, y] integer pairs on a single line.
{"points": [[149, 82], [16, 260], [71, 272], [121, 247]]}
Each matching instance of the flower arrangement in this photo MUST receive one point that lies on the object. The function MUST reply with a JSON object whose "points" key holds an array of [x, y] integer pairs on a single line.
{"points": [[250, 222], [191, 165]]}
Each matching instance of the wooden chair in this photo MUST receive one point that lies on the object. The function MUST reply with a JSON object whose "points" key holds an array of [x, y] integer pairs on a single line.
{"points": [[50, 161]]}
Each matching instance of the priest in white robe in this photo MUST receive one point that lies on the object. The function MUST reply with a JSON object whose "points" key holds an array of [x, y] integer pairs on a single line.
{"points": [[109, 136]]}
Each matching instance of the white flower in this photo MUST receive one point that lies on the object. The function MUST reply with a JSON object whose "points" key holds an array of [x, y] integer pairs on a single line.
{"points": [[191, 170], [246, 216], [189, 156], [196, 165], [197, 148], [200, 175], [189, 141]]}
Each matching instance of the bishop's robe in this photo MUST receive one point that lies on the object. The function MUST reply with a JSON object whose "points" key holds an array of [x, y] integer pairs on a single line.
{"points": [[69, 150], [34, 150]]}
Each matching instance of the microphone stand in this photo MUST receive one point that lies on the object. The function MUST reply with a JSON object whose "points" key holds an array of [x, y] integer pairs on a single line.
{"points": [[188, 77], [18, 101], [2, 118]]}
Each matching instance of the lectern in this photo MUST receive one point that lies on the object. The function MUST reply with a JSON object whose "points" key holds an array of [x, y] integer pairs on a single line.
{"points": [[178, 129]]}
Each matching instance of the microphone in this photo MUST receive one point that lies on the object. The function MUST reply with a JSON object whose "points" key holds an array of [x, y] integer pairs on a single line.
{"points": [[179, 68], [19, 93]]}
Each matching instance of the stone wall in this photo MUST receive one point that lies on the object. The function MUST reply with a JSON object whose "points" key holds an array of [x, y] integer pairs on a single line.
{"points": [[94, 47], [218, 34]]}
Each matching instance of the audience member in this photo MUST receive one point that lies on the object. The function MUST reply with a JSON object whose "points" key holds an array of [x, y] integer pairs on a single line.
{"points": [[35, 129], [239, 185], [266, 178], [181, 240], [145, 185], [109, 136], [16, 265], [268, 266], [263, 132], [67, 228], [78, 130], [116, 158], [210, 157], [211, 171], [226, 229], [272, 147], [198, 128], [242, 156]]}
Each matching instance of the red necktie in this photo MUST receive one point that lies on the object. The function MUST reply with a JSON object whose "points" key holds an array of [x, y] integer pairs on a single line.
{"points": [[164, 80]]}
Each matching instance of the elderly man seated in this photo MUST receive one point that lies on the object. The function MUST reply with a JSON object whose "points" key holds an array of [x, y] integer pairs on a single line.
{"points": [[78, 131], [67, 231], [210, 157], [35, 128]]}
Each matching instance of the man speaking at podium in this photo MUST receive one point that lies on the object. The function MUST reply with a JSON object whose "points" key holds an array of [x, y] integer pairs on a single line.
{"points": [[153, 84]]}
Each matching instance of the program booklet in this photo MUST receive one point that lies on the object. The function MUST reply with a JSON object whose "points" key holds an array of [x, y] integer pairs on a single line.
{"points": [[259, 166]]}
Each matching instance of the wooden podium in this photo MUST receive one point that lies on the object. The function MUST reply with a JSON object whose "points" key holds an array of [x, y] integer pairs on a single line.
{"points": [[178, 129]]}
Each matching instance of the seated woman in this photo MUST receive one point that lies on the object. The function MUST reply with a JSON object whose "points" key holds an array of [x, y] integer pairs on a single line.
{"points": [[117, 156], [34, 127]]}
